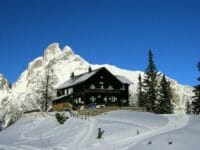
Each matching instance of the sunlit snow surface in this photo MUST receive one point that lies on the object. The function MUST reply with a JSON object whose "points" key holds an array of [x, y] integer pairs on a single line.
{"points": [[39, 131]]}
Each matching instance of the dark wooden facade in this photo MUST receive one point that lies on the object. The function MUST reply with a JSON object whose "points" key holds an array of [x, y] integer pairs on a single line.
{"points": [[99, 86]]}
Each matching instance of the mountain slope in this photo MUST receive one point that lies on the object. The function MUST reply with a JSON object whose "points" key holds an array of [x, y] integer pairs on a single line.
{"points": [[27, 92]]}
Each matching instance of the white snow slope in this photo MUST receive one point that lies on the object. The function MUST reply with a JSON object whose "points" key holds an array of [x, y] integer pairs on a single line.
{"points": [[43, 132], [26, 93]]}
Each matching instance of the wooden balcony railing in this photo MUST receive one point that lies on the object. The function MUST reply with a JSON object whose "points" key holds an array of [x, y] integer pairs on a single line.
{"points": [[116, 91]]}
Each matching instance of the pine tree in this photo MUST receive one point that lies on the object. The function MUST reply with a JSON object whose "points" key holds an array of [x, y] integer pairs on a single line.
{"points": [[140, 94], [188, 108], [151, 84], [165, 97], [196, 102], [47, 91]]}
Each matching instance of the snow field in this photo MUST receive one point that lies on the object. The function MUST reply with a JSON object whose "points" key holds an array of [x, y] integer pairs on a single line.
{"points": [[121, 127]]}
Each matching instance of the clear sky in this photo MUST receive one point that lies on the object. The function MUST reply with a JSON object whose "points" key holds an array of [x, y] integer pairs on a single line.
{"points": [[118, 32]]}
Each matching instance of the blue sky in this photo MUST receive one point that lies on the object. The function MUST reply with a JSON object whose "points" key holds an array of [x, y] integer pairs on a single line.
{"points": [[118, 32]]}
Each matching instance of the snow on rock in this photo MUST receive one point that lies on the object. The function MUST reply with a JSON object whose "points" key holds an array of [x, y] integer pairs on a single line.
{"points": [[4, 87], [27, 92], [52, 51], [68, 51], [181, 95]]}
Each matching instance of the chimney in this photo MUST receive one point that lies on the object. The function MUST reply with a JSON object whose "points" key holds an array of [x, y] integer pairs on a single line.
{"points": [[72, 75], [90, 69]]}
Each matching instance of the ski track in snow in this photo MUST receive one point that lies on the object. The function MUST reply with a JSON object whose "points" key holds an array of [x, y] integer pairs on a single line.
{"points": [[126, 122], [86, 134], [25, 138], [81, 139], [175, 122], [18, 147]]}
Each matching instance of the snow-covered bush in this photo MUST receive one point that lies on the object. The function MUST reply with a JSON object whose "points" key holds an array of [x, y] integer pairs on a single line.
{"points": [[61, 117]]}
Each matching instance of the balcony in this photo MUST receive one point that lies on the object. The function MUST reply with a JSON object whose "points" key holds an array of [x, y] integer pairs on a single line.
{"points": [[115, 91]]}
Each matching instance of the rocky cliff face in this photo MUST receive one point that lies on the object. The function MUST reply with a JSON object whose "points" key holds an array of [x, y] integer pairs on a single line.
{"points": [[27, 92], [5, 89]]}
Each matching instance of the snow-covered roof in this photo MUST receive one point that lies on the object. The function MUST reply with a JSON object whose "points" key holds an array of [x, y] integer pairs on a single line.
{"points": [[83, 77], [77, 79], [124, 80], [57, 98]]}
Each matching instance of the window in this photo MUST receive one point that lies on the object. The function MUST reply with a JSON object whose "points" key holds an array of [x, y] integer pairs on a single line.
{"points": [[79, 100], [65, 92], [105, 99], [123, 101], [101, 85], [92, 86], [110, 87], [113, 99], [70, 90], [92, 99], [123, 87]]}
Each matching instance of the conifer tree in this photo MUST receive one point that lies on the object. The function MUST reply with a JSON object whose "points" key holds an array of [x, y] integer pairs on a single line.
{"points": [[140, 94], [196, 102], [151, 84], [188, 108], [165, 97], [47, 89]]}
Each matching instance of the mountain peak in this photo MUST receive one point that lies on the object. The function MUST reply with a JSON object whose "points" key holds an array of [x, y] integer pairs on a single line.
{"points": [[52, 51], [68, 50]]}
